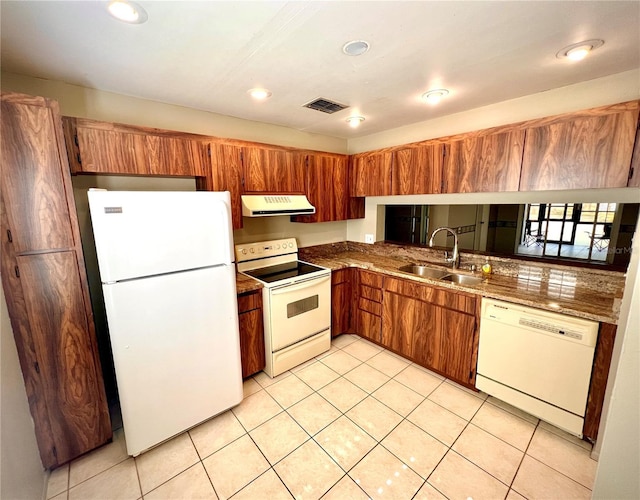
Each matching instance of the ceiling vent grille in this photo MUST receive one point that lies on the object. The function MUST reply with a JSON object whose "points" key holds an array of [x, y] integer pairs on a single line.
{"points": [[325, 105]]}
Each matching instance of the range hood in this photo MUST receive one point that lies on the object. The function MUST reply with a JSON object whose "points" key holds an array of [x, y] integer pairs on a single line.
{"points": [[261, 205]]}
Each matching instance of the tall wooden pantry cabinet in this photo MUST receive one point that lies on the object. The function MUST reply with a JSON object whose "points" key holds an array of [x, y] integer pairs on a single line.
{"points": [[45, 283]]}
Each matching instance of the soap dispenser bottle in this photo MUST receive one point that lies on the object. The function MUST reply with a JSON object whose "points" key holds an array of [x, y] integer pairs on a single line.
{"points": [[486, 267]]}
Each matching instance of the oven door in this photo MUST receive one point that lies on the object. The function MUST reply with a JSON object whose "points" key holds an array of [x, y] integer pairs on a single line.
{"points": [[299, 311]]}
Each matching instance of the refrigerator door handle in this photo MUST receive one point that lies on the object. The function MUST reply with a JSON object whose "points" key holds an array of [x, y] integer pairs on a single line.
{"points": [[227, 212]]}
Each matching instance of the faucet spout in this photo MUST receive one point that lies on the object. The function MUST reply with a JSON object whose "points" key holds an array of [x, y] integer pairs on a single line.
{"points": [[455, 258]]}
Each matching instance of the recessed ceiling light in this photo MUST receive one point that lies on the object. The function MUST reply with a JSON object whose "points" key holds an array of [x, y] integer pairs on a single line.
{"points": [[355, 47], [580, 50], [434, 96], [128, 12], [355, 121], [259, 94]]}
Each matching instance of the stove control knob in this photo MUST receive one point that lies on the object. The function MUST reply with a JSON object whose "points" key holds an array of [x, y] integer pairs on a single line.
{"points": [[251, 250], [243, 251], [290, 245]]}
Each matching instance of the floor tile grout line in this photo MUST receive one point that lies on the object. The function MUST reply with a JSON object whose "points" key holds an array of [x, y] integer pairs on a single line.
{"points": [[561, 473]]}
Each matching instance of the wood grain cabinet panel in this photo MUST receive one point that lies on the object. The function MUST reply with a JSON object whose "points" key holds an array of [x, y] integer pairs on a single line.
{"points": [[38, 214], [252, 350], [431, 327], [267, 170], [45, 283], [368, 307], [111, 152], [175, 156], [484, 162], [417, 170], [341, 301], [72, 380], [326, 186], [371, 174], [224, 173], [590, 150], [634, 175]]}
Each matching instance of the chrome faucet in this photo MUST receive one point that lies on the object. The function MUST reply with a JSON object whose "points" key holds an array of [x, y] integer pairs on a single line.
{"points": [[455, 258]]}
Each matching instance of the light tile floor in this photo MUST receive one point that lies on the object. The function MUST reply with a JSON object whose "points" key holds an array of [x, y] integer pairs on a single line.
{"points": [[355, 422]]}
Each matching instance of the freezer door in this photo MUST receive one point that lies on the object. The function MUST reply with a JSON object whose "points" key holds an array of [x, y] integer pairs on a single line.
{"points": [[176, 351], [144, 233]]}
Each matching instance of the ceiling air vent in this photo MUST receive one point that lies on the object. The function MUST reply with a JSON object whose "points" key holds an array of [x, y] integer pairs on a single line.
{"points": [[325, 105]]}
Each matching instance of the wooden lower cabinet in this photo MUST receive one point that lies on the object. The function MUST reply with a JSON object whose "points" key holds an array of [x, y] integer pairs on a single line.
{"points": [[434, 327], [251, 332], [341, 301], [368, 304]]}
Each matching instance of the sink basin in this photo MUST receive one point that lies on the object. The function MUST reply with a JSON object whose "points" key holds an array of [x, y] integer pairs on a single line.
{"points": [[424, 271], [462, 279]]}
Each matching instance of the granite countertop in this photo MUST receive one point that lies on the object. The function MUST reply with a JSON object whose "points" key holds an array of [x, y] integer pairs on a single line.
{"points": [[559, 290], [246, 284]]}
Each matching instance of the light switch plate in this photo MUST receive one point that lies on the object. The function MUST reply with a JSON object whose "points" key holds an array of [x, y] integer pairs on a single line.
{"points": [[368, 238]]}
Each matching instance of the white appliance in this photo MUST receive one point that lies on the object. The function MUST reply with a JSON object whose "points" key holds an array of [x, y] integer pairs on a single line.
{"points": [[537, 361], [168, 278], [264, 205], [296, 302]]}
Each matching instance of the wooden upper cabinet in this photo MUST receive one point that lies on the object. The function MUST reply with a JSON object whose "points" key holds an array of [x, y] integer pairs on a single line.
{"points": [[484, 162], [110, 152], [271, 170], [225, 174], [33, 169], [589, 149], [175, 156], [110, 148], [371, 174], [417, 170], [326, 186]]}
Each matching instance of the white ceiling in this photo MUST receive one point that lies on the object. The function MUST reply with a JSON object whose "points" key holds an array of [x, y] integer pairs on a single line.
{"points": [[207, 54]]}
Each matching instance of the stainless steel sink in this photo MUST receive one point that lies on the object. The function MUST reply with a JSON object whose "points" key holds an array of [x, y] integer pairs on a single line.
{"points": [[462, 279], [424, 271], [439, 274]]}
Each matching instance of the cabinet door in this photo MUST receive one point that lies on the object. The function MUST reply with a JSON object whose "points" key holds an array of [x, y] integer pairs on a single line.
{"points": [[111, 152], [271, 171], [634, 175], [417, 170], [456, 345], [580, 152], [371, 174], [341, 300], [60, 332], [32, 179], [175, 156], [327, 187], [225, 174], [252, 350], [484, 163]]}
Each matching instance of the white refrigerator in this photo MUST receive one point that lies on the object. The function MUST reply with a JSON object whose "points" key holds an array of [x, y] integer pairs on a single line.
{"points": [[168, 277]]}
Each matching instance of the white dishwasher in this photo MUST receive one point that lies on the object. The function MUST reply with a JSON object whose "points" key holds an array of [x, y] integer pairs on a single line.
{"points": [[537, 361]]}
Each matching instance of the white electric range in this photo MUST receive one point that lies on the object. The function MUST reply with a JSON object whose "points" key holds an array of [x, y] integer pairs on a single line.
{"points": [[296, 302]]}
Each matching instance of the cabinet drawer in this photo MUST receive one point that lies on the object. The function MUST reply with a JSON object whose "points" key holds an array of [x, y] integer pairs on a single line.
{"points": [[370, 279], [249, 301], [370, 306], [458, 301], [340, 276], [374, 294]]}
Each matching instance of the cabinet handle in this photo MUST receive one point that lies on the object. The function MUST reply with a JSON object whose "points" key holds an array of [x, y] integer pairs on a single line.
{"points": [[17, 271], [37, 367], [9, 236]]}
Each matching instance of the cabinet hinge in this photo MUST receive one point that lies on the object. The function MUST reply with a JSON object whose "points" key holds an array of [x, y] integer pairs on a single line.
{"points": [[75, 139], [17, 271], [54, 451], [79, 159], [470, 374], [9, 236], [631, 173], [36, 366]]}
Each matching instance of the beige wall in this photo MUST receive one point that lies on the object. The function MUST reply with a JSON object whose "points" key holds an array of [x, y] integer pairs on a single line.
{"points": [[21, 473]]}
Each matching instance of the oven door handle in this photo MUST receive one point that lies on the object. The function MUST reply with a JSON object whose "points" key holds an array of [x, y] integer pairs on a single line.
{"points": [[300, 285]]}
